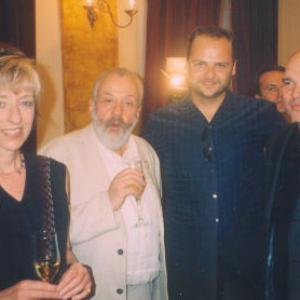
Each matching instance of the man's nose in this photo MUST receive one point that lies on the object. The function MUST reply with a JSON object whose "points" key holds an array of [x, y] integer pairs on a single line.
{"points": [[210, 72], [117, 109], [278, 95], [296, 92]]}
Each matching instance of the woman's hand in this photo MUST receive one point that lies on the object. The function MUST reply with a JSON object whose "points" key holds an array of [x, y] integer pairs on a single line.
{"points": [[30, 289], [76, 283]]}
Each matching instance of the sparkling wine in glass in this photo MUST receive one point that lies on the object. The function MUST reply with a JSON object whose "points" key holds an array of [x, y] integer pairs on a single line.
{"points": [[138, 165], [46, 255]]}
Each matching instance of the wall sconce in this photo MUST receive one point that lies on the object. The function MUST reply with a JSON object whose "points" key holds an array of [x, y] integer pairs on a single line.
{"points": [[175, 73], [93, 7]]}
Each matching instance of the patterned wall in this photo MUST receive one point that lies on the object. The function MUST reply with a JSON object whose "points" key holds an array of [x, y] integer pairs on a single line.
{"points": [[86, 53]]}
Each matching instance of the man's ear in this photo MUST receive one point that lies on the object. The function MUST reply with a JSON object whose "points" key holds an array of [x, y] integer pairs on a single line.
{"points": [[138, 114], [234, 68], [257, 96]]}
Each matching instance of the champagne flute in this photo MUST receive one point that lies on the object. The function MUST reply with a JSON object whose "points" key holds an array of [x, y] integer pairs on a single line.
{"points": [[46, 255], [138, 165]]}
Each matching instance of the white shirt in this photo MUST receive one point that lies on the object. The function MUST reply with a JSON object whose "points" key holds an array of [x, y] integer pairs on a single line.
{"points": [[143, 246]]}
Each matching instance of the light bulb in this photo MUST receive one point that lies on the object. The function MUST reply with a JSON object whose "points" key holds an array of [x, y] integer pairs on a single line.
{"points": [[89, 3], [132, 4]]}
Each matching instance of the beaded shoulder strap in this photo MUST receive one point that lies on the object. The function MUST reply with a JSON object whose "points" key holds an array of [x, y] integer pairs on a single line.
{"points": [[48, 222]]}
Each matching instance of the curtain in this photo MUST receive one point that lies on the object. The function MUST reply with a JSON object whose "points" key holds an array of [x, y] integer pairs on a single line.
{"points": [[17, 24], [169, 25], [255, 25], [17, 27]]}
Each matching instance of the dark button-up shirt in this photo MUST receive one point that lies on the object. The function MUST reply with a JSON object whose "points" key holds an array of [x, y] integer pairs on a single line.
{"points": [[283, 216], [213, 178]]}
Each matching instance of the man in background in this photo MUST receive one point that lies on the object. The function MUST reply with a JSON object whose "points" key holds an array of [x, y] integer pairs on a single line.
{"points": [[211, 148], [116, 216], [283, 206], [269, 83]]}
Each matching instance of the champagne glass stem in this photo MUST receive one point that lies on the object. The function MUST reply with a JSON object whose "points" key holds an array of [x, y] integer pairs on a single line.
{"points": [[138, 165]]}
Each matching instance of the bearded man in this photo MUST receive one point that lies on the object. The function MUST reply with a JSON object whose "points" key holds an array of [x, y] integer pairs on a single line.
{"points": [[116, 216]]}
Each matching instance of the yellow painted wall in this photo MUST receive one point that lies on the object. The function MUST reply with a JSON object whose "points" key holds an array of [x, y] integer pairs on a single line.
{"points": [[131, 53], [86, 53], [50, 121]]}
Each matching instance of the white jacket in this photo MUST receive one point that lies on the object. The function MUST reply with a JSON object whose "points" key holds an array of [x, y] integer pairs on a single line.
{"points": [[97, 234]]}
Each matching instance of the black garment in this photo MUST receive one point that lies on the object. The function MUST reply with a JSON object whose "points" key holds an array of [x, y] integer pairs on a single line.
{"points": [[19, 221], [213, 196], [283, 216]]}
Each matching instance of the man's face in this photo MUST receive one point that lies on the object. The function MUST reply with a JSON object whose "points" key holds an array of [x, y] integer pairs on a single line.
{"points": [[210, 67], [291, 88], [270, 84], [116, 110]]}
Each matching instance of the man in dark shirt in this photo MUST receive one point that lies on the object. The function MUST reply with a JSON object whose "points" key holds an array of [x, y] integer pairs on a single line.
{"points": [[283, 209], [211, 147]]}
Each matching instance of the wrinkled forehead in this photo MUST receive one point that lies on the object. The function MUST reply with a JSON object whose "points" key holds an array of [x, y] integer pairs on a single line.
{"points": [[120, 85], [116, 80], [293, 69]]}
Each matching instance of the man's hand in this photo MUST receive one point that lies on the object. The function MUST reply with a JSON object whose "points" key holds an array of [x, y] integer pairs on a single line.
{"points": [[128, 182]]}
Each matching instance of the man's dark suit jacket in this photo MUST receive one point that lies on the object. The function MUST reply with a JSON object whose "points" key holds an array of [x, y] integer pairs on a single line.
{"points": [[283, 216], [213, 196]]}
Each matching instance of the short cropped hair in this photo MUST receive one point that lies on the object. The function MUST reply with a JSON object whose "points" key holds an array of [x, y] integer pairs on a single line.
{"points": [[212, 32], [18, 73], [265, 69], [122, 72]]}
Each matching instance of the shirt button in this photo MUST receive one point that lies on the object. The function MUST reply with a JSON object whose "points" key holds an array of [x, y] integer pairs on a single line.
{"points": [[120, 251], [119, 291], [215, 196], [217, 220]]}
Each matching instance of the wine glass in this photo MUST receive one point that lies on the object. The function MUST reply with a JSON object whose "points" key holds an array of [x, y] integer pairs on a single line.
{"points": [[46, 255], [138, 165]]}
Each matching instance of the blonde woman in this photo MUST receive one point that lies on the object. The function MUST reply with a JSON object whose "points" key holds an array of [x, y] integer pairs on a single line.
{"points": [[32, 196]]}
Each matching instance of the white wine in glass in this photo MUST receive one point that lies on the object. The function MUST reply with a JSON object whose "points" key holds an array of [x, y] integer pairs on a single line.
{"points": [[46, 256]]}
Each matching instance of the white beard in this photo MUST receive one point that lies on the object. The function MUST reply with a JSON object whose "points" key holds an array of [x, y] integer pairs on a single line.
{"points": [[112, 141]]}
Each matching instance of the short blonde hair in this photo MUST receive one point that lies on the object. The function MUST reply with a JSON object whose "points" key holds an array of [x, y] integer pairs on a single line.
{"points": [[18, 73]]}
